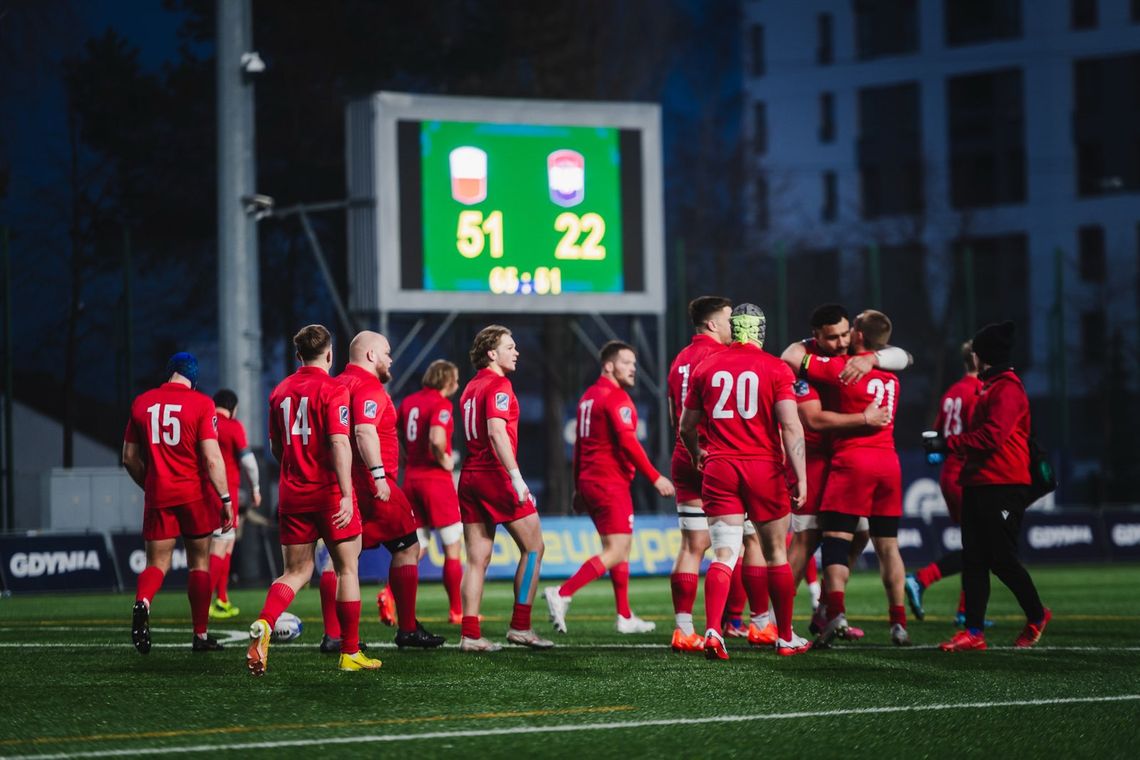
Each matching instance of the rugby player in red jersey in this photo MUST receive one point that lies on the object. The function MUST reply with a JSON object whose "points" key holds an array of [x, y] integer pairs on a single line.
{"points": [[745, 397], [386, 514], [607, 454], [492, 491], [710, 318], [954, 410], [170, 449], [309, 427], [864, 478], [238, 458], [426, 424]]}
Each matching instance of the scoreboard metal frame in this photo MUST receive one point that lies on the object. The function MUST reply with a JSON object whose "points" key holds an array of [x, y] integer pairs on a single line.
{"points": [[373, 132]]}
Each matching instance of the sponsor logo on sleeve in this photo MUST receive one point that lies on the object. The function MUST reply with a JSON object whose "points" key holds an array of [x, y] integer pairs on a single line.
{"points": [[370, 409], [824, 359], [502, 401], [626, 414], [214, 421], [800, 387], [344, 415], [444, 416]]}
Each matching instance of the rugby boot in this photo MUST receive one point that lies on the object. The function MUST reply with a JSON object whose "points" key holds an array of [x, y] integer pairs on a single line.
{"points": [[693, 642], [386, 606], [795, 645], [914, 591], [762, 637], [208, 644], [558, 606], [528, 638], [964, 641], [420, 638], [899, 635], [481, 644], [140, 627], [358, 661], [1031, 633], [257, 655], [634, 624], [329, 645], [714, 646]]}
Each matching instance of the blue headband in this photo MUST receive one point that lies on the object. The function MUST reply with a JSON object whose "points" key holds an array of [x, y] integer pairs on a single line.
{"points": [[184, 364]]}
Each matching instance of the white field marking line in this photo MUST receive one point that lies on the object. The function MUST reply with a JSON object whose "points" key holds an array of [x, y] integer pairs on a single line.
{"points": [[569, 728]]}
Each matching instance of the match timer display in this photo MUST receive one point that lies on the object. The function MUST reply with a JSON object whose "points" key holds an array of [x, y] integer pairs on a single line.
{"points": [[515, 206]]}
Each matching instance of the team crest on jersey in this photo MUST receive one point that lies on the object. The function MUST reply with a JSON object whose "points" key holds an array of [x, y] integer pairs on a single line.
{"points": [[214, 420], [824, 359], [502, 401], [800, 387], [626, 414], [370, 409], [444, 416], [344, 415]]}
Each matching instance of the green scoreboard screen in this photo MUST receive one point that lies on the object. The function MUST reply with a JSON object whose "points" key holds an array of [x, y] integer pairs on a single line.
{"points": [[515, 209], [476, 204]]}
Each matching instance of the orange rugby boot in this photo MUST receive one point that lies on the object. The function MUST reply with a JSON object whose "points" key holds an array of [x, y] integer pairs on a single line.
{"points": [[693, 642]]}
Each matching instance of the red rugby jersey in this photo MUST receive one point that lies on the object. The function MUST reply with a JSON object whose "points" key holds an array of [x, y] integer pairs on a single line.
{"points": [[304, 410], [877, 385], [371, 405], [232, 442], [954, 411], [606, 448], [488, 395], [418, 413], [737, 389], [680, 373], [167, 423]]}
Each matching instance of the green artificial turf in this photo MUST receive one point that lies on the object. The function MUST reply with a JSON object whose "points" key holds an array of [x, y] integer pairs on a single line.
{"points": [[73, 684]]}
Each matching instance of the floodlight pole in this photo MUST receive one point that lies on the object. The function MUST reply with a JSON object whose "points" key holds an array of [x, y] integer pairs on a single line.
{"points": [[239, 296]]}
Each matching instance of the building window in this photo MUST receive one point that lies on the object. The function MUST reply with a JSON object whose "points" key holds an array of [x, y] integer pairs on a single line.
{"points": [[757, 50], [826, 117], [824, 52], [885, 27], [762, 202], [969, 22], [1091, 244], [830, 197], [759, 128], [1094, 341], [987, 139], [998, 285], [1106, 124], [1136, 11], [889, 150], [1082, 14]]}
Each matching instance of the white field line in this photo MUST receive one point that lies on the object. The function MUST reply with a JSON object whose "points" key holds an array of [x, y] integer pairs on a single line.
{"points": [[575, 727]]}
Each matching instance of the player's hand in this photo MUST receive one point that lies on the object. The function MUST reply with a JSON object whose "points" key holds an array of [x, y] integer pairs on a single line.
{"points": [[702, 459], [383, 490], [448, 463], [343, 514], [664, 486], [877, 416], [856, 367], [227, 515], [578, 504], [799, 496], [517, 483], [256, 498]]}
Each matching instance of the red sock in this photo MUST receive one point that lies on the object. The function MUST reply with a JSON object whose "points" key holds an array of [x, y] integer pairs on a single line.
{"points": [[452, 575], [277, 601], [835, 604], [199, 591], [222, 587], [619, 574], [469, 627], [811, 572], [782, 589], [150, 581], [898, 615], [756, 583], [962, 602], [684, 587], [929, 574], [718, 579], [328, 604], [217, 568], [348, 613], [591, 570], [520, 618], [737, 596], [404, 581]]}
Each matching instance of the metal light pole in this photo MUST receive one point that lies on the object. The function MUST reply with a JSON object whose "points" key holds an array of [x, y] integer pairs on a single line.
{"points": [[239, 300]]}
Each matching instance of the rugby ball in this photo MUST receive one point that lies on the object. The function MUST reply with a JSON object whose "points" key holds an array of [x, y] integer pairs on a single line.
{"points": [[287, 628]]}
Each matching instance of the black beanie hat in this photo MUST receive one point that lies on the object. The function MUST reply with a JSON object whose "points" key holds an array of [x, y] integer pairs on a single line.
{"points": [[994, 343]]}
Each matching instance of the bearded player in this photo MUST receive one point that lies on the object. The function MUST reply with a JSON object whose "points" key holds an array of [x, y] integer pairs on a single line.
{"points": [[745, 397], [606, 456], [426, 424], [492, 491], [309, 427], [170, 449], [864, 480]]}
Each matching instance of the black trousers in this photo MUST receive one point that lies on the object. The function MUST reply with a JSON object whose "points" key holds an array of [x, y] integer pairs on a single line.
{"points": [[991, 524]]}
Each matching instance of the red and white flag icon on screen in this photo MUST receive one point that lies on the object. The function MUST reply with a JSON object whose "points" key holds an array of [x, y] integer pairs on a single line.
{"points": [[468, 174], [566, 175]]}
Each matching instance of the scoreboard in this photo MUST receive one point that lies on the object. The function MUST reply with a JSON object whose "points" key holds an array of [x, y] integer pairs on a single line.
{"points": [[506, 205]]}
